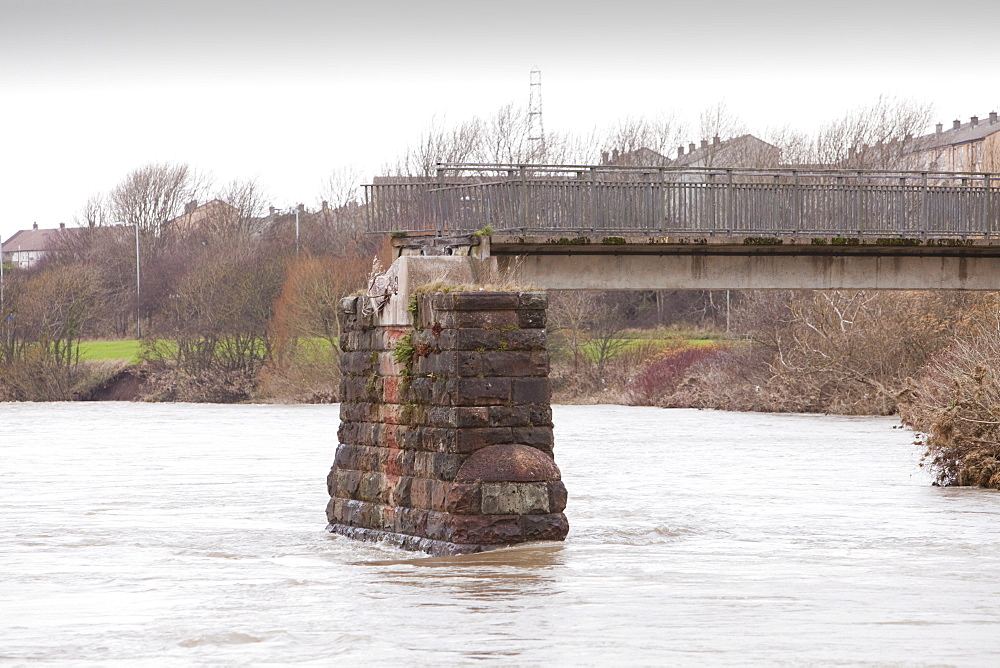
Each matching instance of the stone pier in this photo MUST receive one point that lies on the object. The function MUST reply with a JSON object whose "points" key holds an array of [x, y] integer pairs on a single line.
{"points": [[446, 424]]}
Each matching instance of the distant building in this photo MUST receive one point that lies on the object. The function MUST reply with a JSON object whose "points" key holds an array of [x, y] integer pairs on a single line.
{"points": [[640, 157], [964, 147], [212, 214], [742, 151], [739, 152], [26, 247]]}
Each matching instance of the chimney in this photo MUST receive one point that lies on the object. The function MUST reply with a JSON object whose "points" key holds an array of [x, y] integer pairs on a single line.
{"points": [[716, 141], [614, 155], [956, 124], [34, 226], [326, 205], [62, 226], [604, 157], [939, 128], [691, 147], [302, 208], [680, 151], [993, 117], [191, 206], [704, 143], [908, 137], [270, 210], [974, 121]]}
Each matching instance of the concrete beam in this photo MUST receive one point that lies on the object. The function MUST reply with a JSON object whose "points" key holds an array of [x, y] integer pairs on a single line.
{"points": [[771, 265]]}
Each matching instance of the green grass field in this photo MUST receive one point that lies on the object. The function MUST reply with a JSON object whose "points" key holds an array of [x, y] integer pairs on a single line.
{"points": [[127, 350]]}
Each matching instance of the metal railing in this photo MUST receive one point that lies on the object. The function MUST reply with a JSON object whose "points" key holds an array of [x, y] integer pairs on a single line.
{"points": [[602, 201]]}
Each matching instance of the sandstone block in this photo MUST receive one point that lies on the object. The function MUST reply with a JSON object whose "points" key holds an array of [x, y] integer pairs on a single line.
{"points": [[536, 437], [531, 391], [515, 363], [533, 300], [531, 319], [481, 391], [487, 319], [469, 440], [544, 527], [515, 498], [464, 499], [347, 483], [484, 301], [420, 493], [485, 529], [557, 496], [525, 339]]}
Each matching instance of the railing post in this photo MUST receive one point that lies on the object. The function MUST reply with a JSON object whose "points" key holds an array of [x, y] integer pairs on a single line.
{"points": [[439, 196], [925, 214], [841, 215], [661, 204], [961, 209], [369, 218], [710, 203], [862, 209], [798, 200], [902, 206], [775, 194], [523, 213], [987, 206], [593, 199], [731, 205]]}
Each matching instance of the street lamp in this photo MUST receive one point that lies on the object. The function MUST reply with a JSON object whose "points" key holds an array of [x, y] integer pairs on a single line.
{"points": [[1, 279], [297, 209], [138, 316]]}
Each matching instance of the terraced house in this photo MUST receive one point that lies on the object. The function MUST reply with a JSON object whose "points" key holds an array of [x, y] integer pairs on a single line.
{"points": [[964, 147]]}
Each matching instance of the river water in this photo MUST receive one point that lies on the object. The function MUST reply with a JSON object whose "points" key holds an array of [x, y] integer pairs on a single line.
{"points": [[193, 534]]}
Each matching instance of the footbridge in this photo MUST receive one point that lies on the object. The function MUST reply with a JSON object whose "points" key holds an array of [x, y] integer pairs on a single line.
{"points": [[446, 440], [602, 227]]}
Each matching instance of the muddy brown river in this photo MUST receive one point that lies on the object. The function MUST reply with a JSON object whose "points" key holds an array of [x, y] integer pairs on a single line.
{"points": [[194, 534]]}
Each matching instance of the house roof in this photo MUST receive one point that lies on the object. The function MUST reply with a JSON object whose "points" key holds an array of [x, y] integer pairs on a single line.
{"points": [[714, 149], [32, 240], [640, 157], [966, 132]]}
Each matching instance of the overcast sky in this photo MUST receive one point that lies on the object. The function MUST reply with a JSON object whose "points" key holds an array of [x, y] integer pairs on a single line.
{"points": [[285, 92]]}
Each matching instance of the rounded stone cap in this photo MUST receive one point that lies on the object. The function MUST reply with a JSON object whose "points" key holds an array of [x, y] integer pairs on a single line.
{"points": [[508, 463]]}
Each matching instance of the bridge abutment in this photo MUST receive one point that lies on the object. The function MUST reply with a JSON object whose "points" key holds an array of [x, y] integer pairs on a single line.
{"points": [[445, 443]]}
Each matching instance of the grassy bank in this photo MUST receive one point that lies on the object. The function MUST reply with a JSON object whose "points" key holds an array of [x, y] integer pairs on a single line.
{"points": [[127, 350]]}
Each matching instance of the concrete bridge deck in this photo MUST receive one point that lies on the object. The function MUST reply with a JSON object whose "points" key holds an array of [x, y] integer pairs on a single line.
{"points": [[751, 263], [590, 227]]}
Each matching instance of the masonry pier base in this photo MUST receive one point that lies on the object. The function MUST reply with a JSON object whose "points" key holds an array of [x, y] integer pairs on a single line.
{"points": [[445, 443]]}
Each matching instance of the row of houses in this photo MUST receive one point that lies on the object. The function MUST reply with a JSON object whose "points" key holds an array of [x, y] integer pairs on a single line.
{"points": [[26, 247], [964, 147]]}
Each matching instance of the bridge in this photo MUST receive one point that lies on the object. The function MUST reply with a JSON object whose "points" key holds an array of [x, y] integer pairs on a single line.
{"points": [[446, 442], [605, 227]]}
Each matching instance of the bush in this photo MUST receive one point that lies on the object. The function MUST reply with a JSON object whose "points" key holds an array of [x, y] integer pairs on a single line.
{"points": [[663, 374], [955, 407]]}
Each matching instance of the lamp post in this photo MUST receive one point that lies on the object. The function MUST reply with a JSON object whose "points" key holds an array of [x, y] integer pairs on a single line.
{"points": [[2, 302], [297, 209], [138, 282]]}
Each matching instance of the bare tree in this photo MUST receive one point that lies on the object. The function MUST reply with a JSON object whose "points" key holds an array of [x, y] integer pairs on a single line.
{"points": [[153, 194], [627, 136], [237, 213], [874, 136], [719, 120]]}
